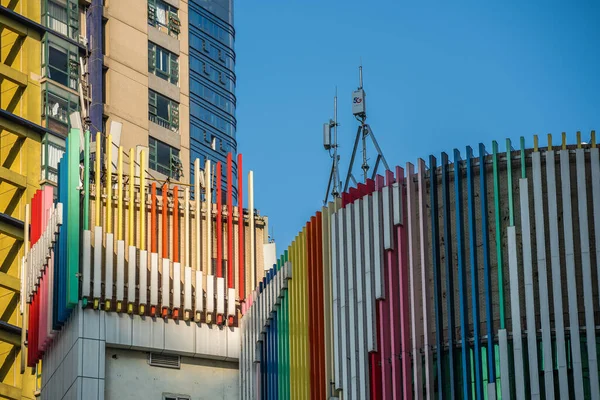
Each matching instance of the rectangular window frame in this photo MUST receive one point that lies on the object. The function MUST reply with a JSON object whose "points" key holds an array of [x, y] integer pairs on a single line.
{"points": [[62, 16], [57, 119], [173, 170], [155, 53], [170, 24], [72, 54], [172, 123]]}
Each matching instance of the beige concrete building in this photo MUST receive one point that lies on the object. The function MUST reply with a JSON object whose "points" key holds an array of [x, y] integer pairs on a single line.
{"points": [[146, 80]]}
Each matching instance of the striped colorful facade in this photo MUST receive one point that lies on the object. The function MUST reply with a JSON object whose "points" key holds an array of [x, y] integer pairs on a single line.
{"points": [[469, 276], [119, 243]]}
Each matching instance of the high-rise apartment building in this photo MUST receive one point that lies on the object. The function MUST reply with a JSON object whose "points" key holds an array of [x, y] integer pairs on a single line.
{"points": [[212, 79], [186, 75]]}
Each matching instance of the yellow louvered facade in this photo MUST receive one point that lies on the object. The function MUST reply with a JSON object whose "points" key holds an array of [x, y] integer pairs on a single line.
{"points": [[20, 70]]}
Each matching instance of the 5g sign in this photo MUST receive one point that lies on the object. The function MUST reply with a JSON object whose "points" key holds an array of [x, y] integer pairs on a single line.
{"points": [[358, 102]]}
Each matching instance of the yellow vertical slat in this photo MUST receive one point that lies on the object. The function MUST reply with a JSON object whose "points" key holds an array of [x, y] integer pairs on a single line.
{"points": [[120, 194], [143, 201], [109, 183], [131, 195], [98, 198]]}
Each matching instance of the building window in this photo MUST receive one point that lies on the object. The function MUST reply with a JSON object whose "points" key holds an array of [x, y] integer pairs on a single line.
{"points": [[164, 158], [164, 17], [57, 105], [214, 52], [211, 28], [212, 119], [213, 74], [62, 16], [163, 63], [163, 111], [60, 62], [53, 149]]}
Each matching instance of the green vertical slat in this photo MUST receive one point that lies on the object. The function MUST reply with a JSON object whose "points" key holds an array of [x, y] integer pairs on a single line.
{"points": [[498, 232], [73, 209], [511, 213], [523, 172], [86, 181], [286, 342]]}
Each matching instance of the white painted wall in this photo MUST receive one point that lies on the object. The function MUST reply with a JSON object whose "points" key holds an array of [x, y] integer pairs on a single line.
{"points": [[129, 377]]}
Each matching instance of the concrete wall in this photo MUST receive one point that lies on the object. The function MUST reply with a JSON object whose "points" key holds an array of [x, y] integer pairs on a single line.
{"points": [[129, 376]]}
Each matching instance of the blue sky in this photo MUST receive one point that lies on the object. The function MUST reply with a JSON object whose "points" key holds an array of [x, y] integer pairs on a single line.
{"points": [[437, 76]]}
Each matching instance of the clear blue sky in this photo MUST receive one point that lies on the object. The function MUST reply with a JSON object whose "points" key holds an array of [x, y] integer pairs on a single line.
{"points": [[437, 77]]}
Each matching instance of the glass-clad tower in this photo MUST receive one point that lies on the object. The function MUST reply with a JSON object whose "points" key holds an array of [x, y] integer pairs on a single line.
{"points": [[212, 81]]}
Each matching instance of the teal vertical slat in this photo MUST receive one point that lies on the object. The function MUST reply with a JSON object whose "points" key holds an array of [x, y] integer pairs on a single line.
{"points": [[474, 278], [462, 278], [73, 230]]}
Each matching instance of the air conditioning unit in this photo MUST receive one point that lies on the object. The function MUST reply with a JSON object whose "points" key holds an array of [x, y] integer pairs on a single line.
{"points": [[82, 40]]}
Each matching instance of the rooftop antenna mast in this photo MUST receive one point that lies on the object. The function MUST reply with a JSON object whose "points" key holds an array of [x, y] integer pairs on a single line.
{"points": [[359, 111], [330, 143]]}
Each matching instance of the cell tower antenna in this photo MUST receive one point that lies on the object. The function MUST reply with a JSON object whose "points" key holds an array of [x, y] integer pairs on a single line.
{"points": [[330, 143], [359, 110]]}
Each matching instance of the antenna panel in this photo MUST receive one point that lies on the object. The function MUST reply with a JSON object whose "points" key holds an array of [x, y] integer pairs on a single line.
{"points": [[358, 102]]}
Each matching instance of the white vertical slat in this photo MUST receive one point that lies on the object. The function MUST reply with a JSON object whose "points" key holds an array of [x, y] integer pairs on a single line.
{"points": [[86, 262], [388, 228], [166, 287], [199, 300], [595, 168], [131, 270], [586, 267], [108, 270], [369, 283], [143, 277], [97, 262], [559, 326], [352, 391], [515, 312], [153, 279], [335, 301], [572, 294], [504, 363], [425, 285], [210, 294], [378, 246], [231, 302], [344, 359], [187, 289], [540, 240], [220, 296], [176, 285], [361, 329], [534, 382], [120, 270], [416, 310]]}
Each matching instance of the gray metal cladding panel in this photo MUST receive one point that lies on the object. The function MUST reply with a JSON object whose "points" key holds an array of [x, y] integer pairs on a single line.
{"points": [[516, 312], [335, 299], [544, 303], [367, 233], [378, 246], [351, 309], [565, 177], [361, 329], [553, 229], [529, 289], [586, 269], [504, 364], [388, 234]]}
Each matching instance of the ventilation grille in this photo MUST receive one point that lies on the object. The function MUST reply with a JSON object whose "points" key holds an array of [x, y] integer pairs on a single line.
{"points": [[164, 360]]}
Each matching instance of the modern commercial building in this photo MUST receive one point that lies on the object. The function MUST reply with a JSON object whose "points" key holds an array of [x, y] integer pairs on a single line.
{"points": [[131, 301], [469, 276]]}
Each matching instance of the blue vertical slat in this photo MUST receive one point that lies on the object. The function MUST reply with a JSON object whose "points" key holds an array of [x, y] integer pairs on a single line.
{"points": [[474, 277], [486, 265], [437, 284], [449, 273], [462, 282]]}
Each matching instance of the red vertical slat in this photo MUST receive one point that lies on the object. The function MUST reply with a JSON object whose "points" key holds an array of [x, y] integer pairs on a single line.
{"points": [[153, 226], [165, 240], [240, 202], [230, 264], [176, 224], [219, 224]]}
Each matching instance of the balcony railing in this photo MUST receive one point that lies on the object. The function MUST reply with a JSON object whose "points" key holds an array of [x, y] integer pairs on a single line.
{"points": [[163, 122]]}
